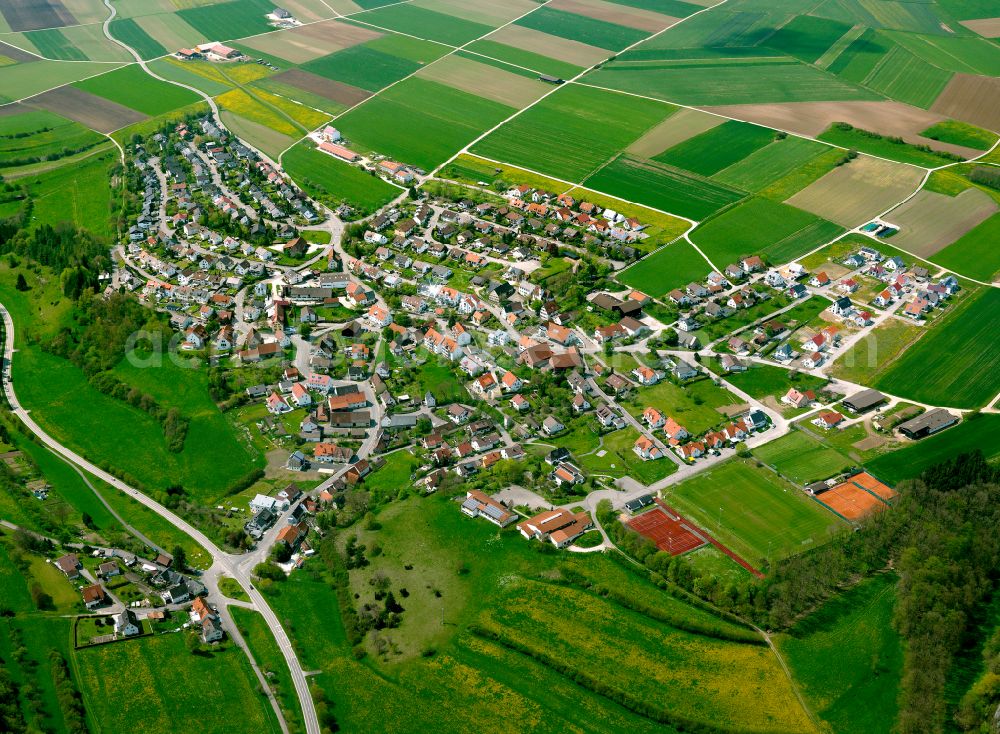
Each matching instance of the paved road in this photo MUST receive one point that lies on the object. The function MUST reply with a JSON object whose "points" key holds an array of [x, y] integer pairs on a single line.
{"points": [[222, 562]]}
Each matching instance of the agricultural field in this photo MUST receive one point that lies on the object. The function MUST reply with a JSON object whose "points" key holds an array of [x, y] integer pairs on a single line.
{"points": [[20, 81], [753, 511], [39, 135], [498, 581], [848, 658], [930, 221], [671, 267], [134, 88], [960, 133], [440, 121], [525, 59], [591, 31], [682, 125], [504, 84], [807, 37], [762, 227], [970, 98], [718, 148], [239, 18], [663, 187], [876, 144], [908, 78], [264, 137], [858, 190], [725, 81], [873, 354], [563, 50], [131, 33], [334, 181], [305, 43], [955, 362], [424, 23], [572, 132], [801, 458], [367, 67], [771, 163], [975, 253], [141, 693], [979, 432]]}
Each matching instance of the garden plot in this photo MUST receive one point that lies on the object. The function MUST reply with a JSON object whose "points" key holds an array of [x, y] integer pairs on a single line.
{"points": [[308, 42], [929, 221], [563, 49], [484, 80], [858, 190]]}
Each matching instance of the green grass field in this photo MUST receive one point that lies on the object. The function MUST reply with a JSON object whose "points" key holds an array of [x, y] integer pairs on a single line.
{"points": [[269, 659], [663, 187], [426, 23], [131, 33], [572, 132], [966, 54], [981, 433], [500, 581], [152, 682], [694, 406], [955, 362], [591, 31], [848, 658], [334, 181], [883, 147], [362, 67], [763, 227], [79, 193], [673, 266], [975, 253], [801, 458], [770, 163], [40, 635], [753, 511], [961, 133], [908, 78], [39, 135], [527, 59], [440, 120], [53, 44], [727, 81], [807, 37], [239, 18], [762, 380], [718, 148], [132, 87]]}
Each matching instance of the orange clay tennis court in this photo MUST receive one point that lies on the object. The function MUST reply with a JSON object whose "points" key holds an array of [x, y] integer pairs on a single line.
{"points": [[850, 501], [669, 534], [873, 485]]}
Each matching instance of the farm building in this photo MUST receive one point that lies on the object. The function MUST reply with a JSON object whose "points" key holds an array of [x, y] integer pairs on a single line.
{"points": [[864, 400], [930, 422]]}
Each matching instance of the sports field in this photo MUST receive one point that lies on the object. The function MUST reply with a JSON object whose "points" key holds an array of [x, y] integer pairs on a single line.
{"points": [[955, 363], [762, 227], [801, 458], [753, 511], [670, 534], [572, 132]]}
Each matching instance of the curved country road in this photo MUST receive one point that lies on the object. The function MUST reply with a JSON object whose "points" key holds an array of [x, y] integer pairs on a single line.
{"points": [[221, 561]]}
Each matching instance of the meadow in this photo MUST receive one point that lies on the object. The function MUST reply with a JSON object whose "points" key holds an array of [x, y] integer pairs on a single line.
{"points": [[763, 380], [753, 511], [975, 254], [79, 193], [801, 458], [572, 132], [955, 362], [981, 432], [145, 668], [871, 356], [620, 460], [673, 266], [39, 135], [435, 670], [334, 181], [718, 148], [960, 133], [133, 87], [760, 226], [694, 405], [663, 187], [440, 120], [39, 636], [848, 658]]}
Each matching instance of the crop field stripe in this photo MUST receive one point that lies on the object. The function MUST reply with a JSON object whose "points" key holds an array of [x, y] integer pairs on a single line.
{"points": [[975, 254], [52, 43], [908, 78], [672, 266], [841, 45], [718, 148], [771, 163], [132, 34], [807, 38], [609, 36]]}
